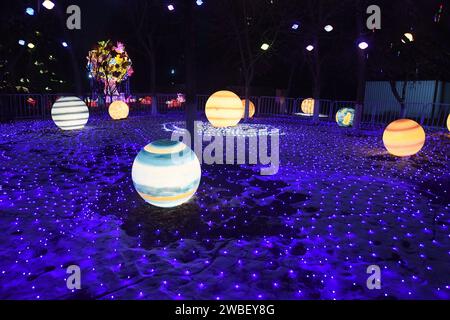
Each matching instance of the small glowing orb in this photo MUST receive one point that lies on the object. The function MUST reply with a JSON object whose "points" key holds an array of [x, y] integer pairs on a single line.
{"points": [[448, 122], [308, 106], [408, 36], [118, 110], [404, 138], [345, 117], [363, 45], [265, 47], [224, 109], [70, 113], [166, 173], [329, 28], [251, 109]]}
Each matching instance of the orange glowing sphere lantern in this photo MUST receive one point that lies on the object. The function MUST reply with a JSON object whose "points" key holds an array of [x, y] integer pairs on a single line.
{"points": [[404, 137], [224, 109], [308, 106], [251, 108], [118, 110]]}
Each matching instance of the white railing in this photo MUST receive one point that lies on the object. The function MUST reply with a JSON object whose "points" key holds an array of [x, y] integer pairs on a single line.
{"points": [[38, 106]]}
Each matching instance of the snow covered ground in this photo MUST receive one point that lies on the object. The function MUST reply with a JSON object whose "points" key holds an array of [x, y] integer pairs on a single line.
{"points": [[338, 204]]}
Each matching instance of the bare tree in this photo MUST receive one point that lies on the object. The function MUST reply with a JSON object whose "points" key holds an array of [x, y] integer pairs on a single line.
{"points": [[252, 23], [145, 17]]}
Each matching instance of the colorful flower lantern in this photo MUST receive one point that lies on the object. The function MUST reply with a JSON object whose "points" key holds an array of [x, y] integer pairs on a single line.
{"points": [[31, 102], [345, 117], [146, 100], [308, 106], [404, 138], [166, 173], [224, 109], [118, 110], [251, 109], [70, 113]]}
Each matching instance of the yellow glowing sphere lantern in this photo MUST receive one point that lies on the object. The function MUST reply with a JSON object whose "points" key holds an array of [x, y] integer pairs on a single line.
{"points": [[403, 138], [224, 109], [308, 106], [118, 110], [448, 122], [251, 108]]}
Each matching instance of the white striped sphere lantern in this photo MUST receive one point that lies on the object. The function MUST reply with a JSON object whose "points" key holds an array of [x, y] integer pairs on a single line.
{"points": [[166, 173], [70, 113]]}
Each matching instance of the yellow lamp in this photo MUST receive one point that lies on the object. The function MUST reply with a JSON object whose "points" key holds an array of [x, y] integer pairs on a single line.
{"points": [[448, 122], [118, 110], [251, 108], [308, 106], [223, 109], [404, 138]]}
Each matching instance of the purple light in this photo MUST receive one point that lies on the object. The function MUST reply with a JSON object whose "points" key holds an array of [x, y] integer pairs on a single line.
{"points": [[295, 26], [170, 7], [363, 45], [310, 48], [64, 44]]}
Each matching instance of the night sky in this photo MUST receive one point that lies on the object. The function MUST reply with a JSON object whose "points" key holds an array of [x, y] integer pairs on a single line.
{"points": [[217, 61]]}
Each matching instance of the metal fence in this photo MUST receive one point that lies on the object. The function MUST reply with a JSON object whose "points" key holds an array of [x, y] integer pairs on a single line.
{"points": [[376, 114]]}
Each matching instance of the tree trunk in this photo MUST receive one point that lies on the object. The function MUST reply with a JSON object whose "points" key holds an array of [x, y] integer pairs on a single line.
{"points": [[401, 99], [153, 84], [247, 100], [361, 70], [317, 82], [191, 103]]}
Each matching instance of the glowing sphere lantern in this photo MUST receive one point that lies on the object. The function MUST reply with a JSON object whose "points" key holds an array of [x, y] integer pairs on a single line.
{"points": [[118, 110], [448, 122], [224, 109], [70, 113], [251, 108], [345, 117], [308, 106], [166, 173], [404, 138]]}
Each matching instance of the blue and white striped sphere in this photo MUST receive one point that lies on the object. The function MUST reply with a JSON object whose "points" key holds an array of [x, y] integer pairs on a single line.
{"points": [[70, 113], [166, 173]]}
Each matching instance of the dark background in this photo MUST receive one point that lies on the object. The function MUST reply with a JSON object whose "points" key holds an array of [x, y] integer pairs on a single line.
{"points": [[217, 62]]}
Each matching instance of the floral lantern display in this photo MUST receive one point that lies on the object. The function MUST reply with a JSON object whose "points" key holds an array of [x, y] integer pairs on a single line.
{"points": [[147, 100], [224, 109], [31, 101], [308, 106], [345, 117], [404, 137], [109, 64], [166, 173], [176, 103], [251, 109], [118, 110], [70, 113]]}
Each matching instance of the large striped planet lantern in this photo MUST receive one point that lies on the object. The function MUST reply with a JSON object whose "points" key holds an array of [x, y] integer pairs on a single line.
{"points": [[345, 116], [308, 106], [404, 138], [118, 110], [70, 113], [224, 109], [251, 108], [166, 173]]}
